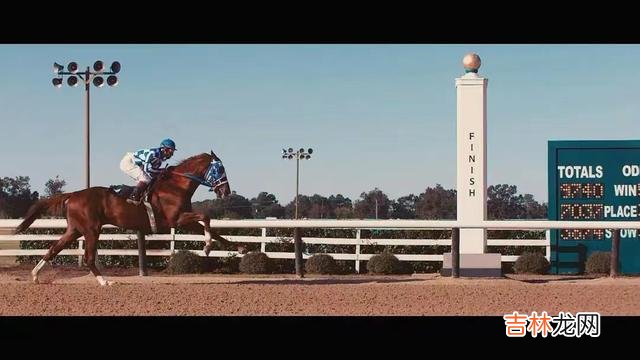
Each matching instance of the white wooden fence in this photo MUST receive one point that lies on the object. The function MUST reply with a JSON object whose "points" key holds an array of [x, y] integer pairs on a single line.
{"points": [[356, 241]]}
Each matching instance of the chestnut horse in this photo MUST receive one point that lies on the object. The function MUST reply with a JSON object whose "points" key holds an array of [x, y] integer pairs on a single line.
{"points": [[170, 198]]}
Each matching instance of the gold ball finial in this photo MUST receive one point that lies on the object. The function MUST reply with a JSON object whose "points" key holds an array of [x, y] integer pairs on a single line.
{"points": [[471, 62]]}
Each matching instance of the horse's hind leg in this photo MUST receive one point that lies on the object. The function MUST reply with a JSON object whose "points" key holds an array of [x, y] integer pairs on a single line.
{"points": [[69, 236], [90, 254]]}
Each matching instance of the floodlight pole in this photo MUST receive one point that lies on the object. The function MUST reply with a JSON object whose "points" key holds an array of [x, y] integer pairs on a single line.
{"points": [[87, 87], [297, 182], [297, 239], [87, 78]]}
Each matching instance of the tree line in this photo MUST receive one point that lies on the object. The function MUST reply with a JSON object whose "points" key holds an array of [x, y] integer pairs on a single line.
{"points": [[503, 202]]}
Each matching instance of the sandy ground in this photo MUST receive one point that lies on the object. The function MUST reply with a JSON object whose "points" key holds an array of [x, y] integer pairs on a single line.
{"points": [[72, 291]]}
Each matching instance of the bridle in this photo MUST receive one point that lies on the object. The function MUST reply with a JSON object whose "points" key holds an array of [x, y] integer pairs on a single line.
{"points": [[214, 177]]}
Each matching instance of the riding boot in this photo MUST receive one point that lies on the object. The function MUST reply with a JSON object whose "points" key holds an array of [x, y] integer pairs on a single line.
{"points": [[137, 193]]}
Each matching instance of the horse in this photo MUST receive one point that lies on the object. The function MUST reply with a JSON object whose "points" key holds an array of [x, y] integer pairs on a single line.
{"points": [[170, 195]]}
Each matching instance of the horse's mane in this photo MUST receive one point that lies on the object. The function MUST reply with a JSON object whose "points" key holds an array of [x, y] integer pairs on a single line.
{"points": [[192, 163]]}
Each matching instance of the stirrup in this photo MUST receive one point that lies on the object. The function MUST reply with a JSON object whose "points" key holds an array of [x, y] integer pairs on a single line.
{"points": [[134, 202]]}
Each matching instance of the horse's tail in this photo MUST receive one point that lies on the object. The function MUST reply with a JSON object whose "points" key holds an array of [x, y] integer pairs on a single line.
{"points": [[36, 210]]}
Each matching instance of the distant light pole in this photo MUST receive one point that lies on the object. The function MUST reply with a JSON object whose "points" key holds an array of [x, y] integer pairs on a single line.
{"points": [[88, 77], [298, 155]]}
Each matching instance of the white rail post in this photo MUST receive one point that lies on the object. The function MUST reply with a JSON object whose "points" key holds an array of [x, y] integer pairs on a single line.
{"points": [[80, 247], [548, 246], [358, 251], [142, 254], [263, 244], [173, 240]]}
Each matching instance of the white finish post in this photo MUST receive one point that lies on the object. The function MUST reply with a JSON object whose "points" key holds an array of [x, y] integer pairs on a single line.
{"points": [[263, 244], [471, 155]]}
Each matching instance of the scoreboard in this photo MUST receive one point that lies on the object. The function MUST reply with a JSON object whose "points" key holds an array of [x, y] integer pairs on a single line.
{"points": [[593, 180]]}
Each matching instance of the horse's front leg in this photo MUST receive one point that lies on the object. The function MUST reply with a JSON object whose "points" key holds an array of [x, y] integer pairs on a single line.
{"points": [[191, 220]]}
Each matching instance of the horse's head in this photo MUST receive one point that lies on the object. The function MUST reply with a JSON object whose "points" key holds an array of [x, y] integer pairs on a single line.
{"points": [[216, 177], [205, 169]]}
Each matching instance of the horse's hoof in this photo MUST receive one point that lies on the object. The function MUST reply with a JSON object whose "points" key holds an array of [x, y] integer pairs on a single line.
{"points": [[207, 250], [35, 280], [110, 283]]}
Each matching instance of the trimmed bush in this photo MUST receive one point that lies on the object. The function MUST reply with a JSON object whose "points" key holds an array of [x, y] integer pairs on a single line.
{"points": [[255, 263], [599, 262], [531, 263], [184, 262], [228, 265], [321, 264], [384, 263]]}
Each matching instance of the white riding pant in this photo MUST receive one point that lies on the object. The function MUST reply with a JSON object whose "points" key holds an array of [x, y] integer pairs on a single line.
{"points": [[129, 167]]}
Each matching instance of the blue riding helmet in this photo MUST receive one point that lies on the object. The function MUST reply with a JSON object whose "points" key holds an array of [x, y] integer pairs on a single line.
{"points": [[168, 143]]}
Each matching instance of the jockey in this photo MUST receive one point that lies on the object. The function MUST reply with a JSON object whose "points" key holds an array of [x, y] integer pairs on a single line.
{"points": [[144, 165]]}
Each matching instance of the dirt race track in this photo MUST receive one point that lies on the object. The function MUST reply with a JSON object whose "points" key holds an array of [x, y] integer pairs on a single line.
{"points": [[72, 291]]}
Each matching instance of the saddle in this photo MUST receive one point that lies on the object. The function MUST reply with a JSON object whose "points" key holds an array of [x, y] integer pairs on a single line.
{"points": [[124, 191]]}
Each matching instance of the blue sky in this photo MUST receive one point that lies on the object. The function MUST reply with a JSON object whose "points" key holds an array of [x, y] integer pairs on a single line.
{"points": [[376, 115]]}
